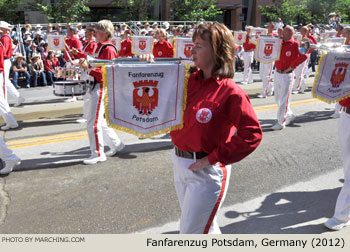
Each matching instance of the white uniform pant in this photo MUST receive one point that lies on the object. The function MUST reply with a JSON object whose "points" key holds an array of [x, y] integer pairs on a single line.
{"points": [[342, 208], [96, 123], [266, 76], [4, 106], [247, 73], [11, 90], [200, 195], [299, 83], [283, 89], [5, 153]]}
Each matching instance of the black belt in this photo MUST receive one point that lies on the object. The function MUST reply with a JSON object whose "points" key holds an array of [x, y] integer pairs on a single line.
{"points": [[189, 154], [6, 58], [346, 110], [282, 71]]}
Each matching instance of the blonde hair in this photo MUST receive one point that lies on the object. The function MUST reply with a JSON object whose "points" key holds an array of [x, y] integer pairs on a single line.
{"points": [[106, 26], [223, 45], [162, 32]]}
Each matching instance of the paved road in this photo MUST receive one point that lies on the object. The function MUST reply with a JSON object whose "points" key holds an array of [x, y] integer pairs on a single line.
{"points": [[288, 185]]}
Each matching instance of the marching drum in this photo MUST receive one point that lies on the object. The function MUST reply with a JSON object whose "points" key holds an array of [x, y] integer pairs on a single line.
{"points": [[69, 88]]}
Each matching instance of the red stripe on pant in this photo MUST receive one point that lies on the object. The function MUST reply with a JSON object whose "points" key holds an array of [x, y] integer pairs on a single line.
{"points": [[96, 119], [4, 84], [215, 209], [289, 91]]}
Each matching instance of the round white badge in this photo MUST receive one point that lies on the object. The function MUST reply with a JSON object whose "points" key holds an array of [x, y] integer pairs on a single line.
{"points": [[204, 115], [288, 53], [124, 48], [160, 53]]}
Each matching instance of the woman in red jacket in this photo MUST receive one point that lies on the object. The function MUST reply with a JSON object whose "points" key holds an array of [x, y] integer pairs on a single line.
{"points": [[97, 128], [162, 48]]}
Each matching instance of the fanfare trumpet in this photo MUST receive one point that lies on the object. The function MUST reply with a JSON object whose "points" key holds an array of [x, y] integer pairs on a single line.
{"points": [[332, 46], [98, 62]]}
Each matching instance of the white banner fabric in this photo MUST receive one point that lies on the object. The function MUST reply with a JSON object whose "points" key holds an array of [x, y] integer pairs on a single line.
{"points": [[268, 49], [183, 47], [55, 42], [332, 82], [240, 37], [141, 45], [340, 40], [117, 42], [256, 32], [145, 99], [297, 37]]}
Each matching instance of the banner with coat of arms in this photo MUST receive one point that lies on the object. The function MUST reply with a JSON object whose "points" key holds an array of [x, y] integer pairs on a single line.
{"points": [[332, 81], [240, 37], [141, 45], [182, 47], [256, 32], [268, 49], [55, 42], [145, 99]]}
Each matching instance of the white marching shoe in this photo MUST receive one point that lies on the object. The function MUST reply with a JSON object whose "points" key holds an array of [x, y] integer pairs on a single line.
{"points": [[20, 100], [261, 96], [290, 119], [114, 150], [335, 224], [9, 165], [7, 127], [94, 160], [278, 126]]}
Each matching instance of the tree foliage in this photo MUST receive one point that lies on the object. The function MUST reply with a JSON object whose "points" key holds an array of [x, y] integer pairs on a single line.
{"points": [[195, 10], [9, 12], [62, 10], [135, 10], [305, 11]]}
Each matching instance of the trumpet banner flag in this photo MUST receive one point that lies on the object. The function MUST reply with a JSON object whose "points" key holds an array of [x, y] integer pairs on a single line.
{"points": [[332, 81], [55, 42], [117, 42], [141, 45], [240, 37], [268, 49], [182, 47], [340, 40], [145, 99]]}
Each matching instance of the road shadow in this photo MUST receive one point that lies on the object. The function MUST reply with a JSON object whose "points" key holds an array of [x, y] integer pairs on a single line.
{"points": [[311, 116], [281, 212], [53, 160]]}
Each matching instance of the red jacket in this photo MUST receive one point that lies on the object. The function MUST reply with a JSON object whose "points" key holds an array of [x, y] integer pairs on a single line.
{"points": [[89, 47], [50, 66], [163, 49], [107, 53], [247, 45], [345, 102], [72, 42], [230, 132], [7, 43], [290, 55], [125, 48], [2, 59]]}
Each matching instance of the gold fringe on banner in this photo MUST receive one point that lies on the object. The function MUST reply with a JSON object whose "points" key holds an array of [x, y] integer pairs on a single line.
{"points": [[136, 133], [315, 81]]}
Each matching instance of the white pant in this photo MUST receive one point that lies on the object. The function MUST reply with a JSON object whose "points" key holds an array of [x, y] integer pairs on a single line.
{"points": [[342, 208], [283, 89], [247, 73], [5, 153], [200, 195], [96, 123], [266, 76], [11, 90], [4, 106], [299, 83]]}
